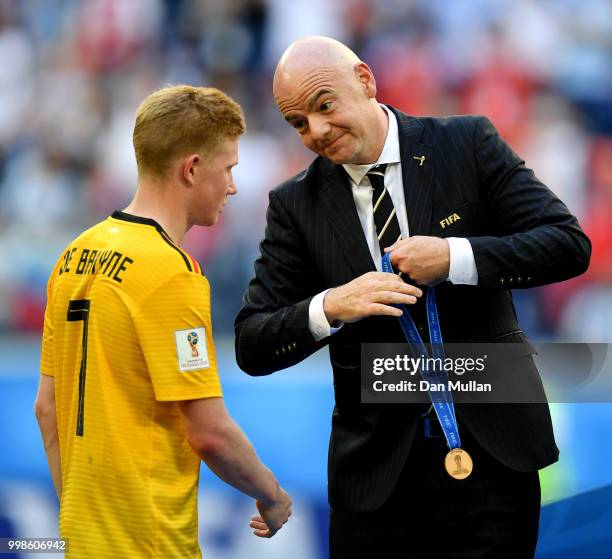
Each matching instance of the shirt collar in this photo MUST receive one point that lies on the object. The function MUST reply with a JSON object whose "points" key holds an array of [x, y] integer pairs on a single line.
{"points": [[390, 152]]}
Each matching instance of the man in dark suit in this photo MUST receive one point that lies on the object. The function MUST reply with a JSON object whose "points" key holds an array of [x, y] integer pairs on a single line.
{"points": [[466, 215]]}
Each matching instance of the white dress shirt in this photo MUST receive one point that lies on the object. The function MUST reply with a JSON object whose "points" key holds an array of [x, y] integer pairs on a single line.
{"points": [[462, 265]]}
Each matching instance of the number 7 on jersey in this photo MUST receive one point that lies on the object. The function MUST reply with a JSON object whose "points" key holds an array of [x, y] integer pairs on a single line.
{"points": [[78, 309]]}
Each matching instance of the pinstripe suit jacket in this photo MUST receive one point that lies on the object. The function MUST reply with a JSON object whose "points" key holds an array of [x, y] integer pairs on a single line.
{"points": [[522, 236]]}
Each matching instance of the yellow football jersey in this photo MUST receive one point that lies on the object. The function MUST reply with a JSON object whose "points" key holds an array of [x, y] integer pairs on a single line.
{"points": [[127, 334]]}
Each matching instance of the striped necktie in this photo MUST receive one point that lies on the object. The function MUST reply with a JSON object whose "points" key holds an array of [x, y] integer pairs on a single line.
{"points": [[385, 219]]}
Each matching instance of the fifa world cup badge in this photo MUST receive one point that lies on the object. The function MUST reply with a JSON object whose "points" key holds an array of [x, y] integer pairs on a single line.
{"points": [[191, 349], [192, 338]]}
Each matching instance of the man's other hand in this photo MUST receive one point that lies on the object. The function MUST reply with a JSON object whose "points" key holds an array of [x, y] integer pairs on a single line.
{"points": [[370, 294], [425, 260]]}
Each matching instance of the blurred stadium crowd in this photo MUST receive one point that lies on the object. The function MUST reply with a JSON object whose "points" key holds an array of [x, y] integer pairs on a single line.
{"points": [[72, 73]]}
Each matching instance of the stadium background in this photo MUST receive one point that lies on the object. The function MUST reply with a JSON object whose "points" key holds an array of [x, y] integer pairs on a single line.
{"points": [[71, 76]]}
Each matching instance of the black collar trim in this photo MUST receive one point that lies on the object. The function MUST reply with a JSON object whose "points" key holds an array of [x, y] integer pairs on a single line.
{"points": [[136, 219], [122, 216]]}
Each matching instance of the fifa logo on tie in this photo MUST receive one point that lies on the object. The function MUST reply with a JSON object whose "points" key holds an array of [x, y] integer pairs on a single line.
{"points": [[192, 338]]}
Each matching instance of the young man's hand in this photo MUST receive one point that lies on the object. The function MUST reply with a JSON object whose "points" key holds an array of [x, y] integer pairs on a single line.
{"points": [[272, 515]]}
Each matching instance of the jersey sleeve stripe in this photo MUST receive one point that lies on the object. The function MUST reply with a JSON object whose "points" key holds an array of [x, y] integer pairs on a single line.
{"points": [[196, 266], [169, 241], [190, 260]]}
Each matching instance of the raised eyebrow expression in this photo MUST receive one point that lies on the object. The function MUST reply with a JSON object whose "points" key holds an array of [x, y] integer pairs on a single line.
{"points": [[290, 118]]}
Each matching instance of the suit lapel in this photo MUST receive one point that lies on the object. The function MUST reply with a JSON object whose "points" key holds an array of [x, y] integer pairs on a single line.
{"points": [[417, 174], [337, 199]]}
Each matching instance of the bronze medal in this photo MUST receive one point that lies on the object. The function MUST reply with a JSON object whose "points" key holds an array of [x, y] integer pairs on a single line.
{"points": [[458, 463]]}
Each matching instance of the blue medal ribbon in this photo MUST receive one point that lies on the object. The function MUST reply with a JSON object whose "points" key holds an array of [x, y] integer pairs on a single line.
{"points": [[442, 400]]}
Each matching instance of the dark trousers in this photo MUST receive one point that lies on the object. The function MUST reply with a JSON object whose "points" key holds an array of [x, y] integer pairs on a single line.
{"points": [[494, 513]]}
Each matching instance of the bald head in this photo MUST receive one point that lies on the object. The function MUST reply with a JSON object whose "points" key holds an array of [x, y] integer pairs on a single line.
{"points": [[310, 53], [328, 95]]}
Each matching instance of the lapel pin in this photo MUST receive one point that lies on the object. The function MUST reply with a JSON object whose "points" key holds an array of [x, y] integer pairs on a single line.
{"points": [[420, 159]]}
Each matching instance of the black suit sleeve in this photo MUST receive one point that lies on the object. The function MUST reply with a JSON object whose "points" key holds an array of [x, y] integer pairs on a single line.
{"points": [[539, 240], [271, 329]]}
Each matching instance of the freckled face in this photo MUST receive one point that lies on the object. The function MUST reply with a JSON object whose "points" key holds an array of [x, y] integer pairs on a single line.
{"points": [[330, 111], [214, 183]]}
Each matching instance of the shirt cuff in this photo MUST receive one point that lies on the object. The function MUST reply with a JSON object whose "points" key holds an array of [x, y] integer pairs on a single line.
{"points": [[317, 321], [462, 269]]}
